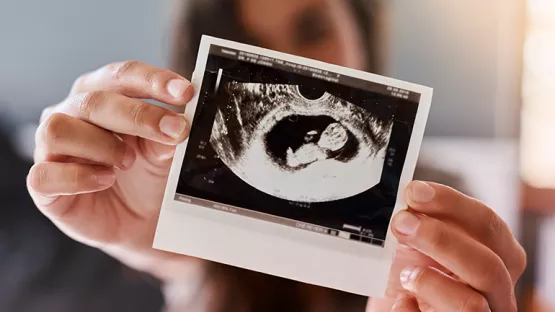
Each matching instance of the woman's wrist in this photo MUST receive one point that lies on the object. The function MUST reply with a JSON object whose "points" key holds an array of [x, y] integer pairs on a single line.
{"points": [[190, 292]]}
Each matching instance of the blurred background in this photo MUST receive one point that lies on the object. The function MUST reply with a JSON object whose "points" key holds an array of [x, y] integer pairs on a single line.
{"points": [[491, 64]]}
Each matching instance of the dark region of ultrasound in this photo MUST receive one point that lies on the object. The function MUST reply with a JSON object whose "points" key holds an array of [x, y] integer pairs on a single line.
{"points": [[297, 147]]}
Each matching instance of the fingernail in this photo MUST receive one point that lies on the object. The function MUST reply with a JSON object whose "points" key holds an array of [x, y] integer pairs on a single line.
{"points": [[177, 87], [173, 126], [407, 277], [422, 192], [128, 158], [406, 223], [107, 177]]}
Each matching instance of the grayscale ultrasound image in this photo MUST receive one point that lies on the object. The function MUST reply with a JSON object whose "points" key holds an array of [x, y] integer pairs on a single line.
{"points": [[287, 147], [296, 146]]}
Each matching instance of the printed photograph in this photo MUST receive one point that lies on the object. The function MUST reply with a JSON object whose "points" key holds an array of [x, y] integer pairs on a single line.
{"points": [[284, 145]]}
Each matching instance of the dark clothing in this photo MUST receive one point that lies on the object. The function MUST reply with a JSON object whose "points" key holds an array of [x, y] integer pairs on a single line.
{"points": [[42, 270]]}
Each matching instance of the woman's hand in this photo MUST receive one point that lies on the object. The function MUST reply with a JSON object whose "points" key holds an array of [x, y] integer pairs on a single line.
{"points": [[455, 254], [102, 160]]}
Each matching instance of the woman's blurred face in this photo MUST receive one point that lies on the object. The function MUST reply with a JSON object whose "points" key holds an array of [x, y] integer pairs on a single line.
{"points": [[319, 29]]}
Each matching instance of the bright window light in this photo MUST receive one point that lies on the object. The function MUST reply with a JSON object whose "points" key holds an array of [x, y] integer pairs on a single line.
{"points": [[538, 110]]}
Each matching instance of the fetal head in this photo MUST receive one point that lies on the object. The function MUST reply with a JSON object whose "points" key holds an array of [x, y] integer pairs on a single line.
{"points": [[334, 137]]}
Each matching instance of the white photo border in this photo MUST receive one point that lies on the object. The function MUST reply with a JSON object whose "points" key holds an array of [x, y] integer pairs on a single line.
{"points": [[272, 248]]}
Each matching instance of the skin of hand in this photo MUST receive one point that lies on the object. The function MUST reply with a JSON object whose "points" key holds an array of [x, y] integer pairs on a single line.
{"points": [[455, 254], [102, 160], [101, 165]]}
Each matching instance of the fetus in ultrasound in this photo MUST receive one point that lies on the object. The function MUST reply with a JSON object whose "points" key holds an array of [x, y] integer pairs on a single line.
{"points": [[318, 146], [297, 145]]}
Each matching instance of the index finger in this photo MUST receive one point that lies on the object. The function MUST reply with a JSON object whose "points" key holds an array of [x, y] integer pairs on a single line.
{"points": [[137, 80], [474, 217]]}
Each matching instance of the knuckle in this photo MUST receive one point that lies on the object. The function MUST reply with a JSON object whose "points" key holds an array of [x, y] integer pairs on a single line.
{"points": [[436, 235], [52, 130], [493, 273], [117, 149], [524, 259], [475, 303], [37, 178], [46, 112], [521, 260], [88, 103], [79, 82], [139, 114], [152, 76], [121, 69], [495, 225], [74, 179]]}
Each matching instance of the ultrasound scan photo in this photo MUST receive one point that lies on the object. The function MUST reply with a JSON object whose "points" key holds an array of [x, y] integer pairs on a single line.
{"points": [[303, 147], [295, 145]]}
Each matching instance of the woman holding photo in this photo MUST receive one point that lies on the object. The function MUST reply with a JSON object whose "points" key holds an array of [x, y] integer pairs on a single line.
{"points": [[455, 253]]}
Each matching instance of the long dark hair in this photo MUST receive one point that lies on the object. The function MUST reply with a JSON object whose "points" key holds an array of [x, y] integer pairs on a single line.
{"points": [[242, 290]]}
